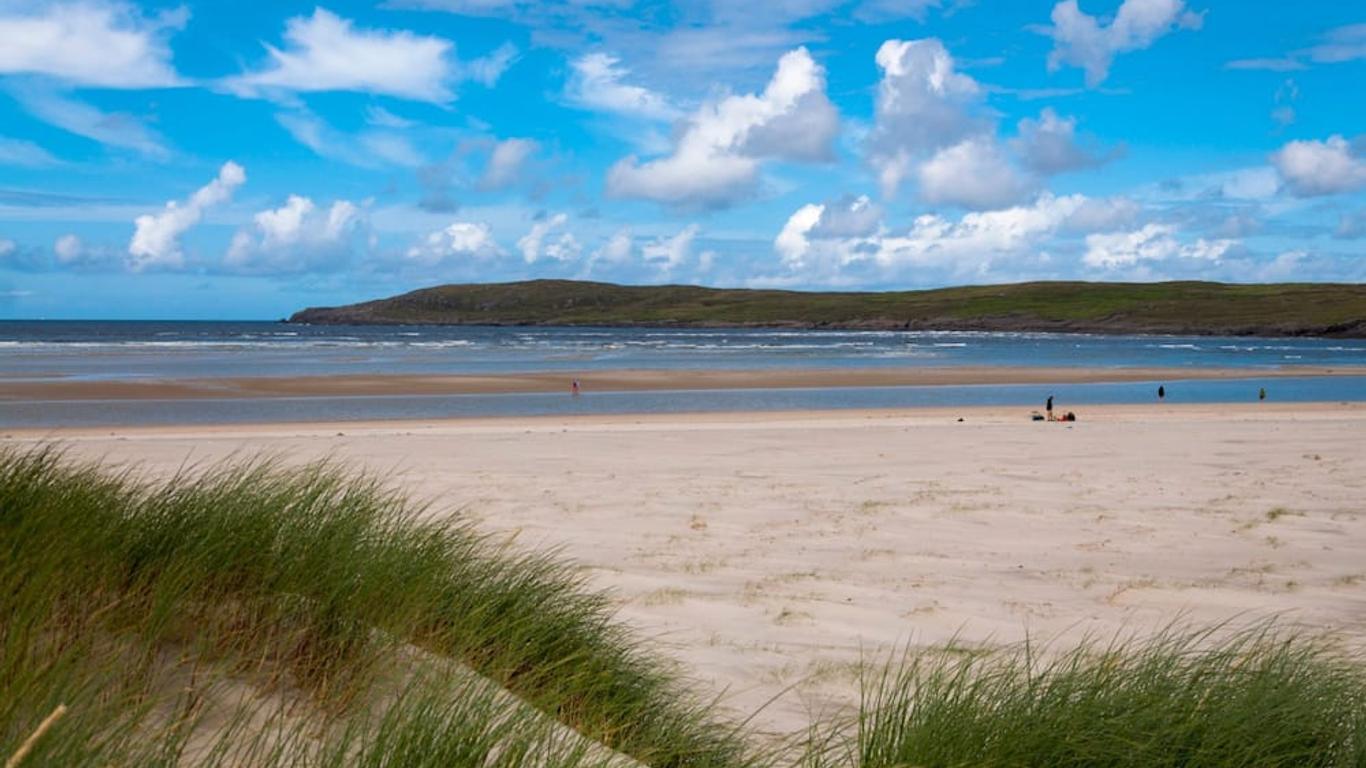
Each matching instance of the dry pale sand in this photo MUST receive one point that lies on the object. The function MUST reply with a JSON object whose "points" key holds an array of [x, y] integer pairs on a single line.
{"points": [[57, 389], [770, 552]]}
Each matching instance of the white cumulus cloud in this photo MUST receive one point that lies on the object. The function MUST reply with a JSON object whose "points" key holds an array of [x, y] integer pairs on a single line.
{"points": [[716, 159], [1286, 266], [1049, 145], [72, 252], [669, 253], [156, 236], [1153, 242], [932, 127], [1105, 213], [848, 217], [965, 247], [549, 240], [846, 224], [89, 43], [1082, 40], [974, 173], [68, 249], [299, 236], [793, 243], [923, 105], [617, 249], [1329, 167], [460, 242]]}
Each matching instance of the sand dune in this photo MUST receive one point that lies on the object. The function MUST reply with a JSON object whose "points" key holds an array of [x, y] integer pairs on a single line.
{"points": [[771, 551]]}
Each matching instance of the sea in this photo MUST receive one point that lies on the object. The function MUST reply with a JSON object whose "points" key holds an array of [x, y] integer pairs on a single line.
{"points": [[38, 351]]}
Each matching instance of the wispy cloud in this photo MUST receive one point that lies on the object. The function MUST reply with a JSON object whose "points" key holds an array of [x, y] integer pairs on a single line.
{"points": [[112, 129], [1268, 64], [24, 153], [1336, 46], [90, 43], [506, 162], [372, 148], [599, 82], [325, 52]]}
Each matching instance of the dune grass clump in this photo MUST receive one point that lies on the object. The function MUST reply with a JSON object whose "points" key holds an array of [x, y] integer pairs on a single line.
{"points": [[146, 607], [259, 615], [1181, 698]]}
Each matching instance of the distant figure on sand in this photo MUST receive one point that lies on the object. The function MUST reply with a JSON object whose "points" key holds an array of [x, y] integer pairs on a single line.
{"points": [[574, 388], [1261, 393], [1161, 392], [1048, 406]]}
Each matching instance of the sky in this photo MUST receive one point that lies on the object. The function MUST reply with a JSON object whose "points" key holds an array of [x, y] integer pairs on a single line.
{"points": [[230, 160]]}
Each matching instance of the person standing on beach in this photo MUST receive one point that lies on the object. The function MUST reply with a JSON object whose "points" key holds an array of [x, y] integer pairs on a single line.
{"points": [[574, 388], [1161, 392], [1048, 406]]}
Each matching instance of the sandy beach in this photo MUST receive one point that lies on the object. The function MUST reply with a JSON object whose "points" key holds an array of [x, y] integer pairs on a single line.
{"points": [[59, 389], [770, 552]]}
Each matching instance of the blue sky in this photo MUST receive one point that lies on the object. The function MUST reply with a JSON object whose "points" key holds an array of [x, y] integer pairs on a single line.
{"points": [[243, 160]]}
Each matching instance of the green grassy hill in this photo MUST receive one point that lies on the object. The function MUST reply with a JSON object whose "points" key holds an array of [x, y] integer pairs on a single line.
{"points": [[1285, 309]]}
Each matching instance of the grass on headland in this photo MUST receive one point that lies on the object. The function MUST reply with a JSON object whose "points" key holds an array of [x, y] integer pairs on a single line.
{"points": [[306, 584], [1284, 309], [1184, 697]]}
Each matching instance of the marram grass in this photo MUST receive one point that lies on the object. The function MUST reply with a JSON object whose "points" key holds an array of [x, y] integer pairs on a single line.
{"points": [[259, 615], [302, 584], [1183, 698]]}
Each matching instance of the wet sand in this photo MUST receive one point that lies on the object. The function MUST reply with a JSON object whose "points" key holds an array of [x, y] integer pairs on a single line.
{"points": [[619, 381]]}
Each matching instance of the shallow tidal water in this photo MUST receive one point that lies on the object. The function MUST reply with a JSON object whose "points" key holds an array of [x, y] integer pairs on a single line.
{"points": [[61, 350]]}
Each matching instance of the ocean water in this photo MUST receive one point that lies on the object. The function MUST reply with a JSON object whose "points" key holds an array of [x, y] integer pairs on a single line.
{"points": [[49, 351], [127, 350]]}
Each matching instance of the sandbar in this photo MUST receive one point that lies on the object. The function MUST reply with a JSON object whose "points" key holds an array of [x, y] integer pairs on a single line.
{"points": [[60, 389]]}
